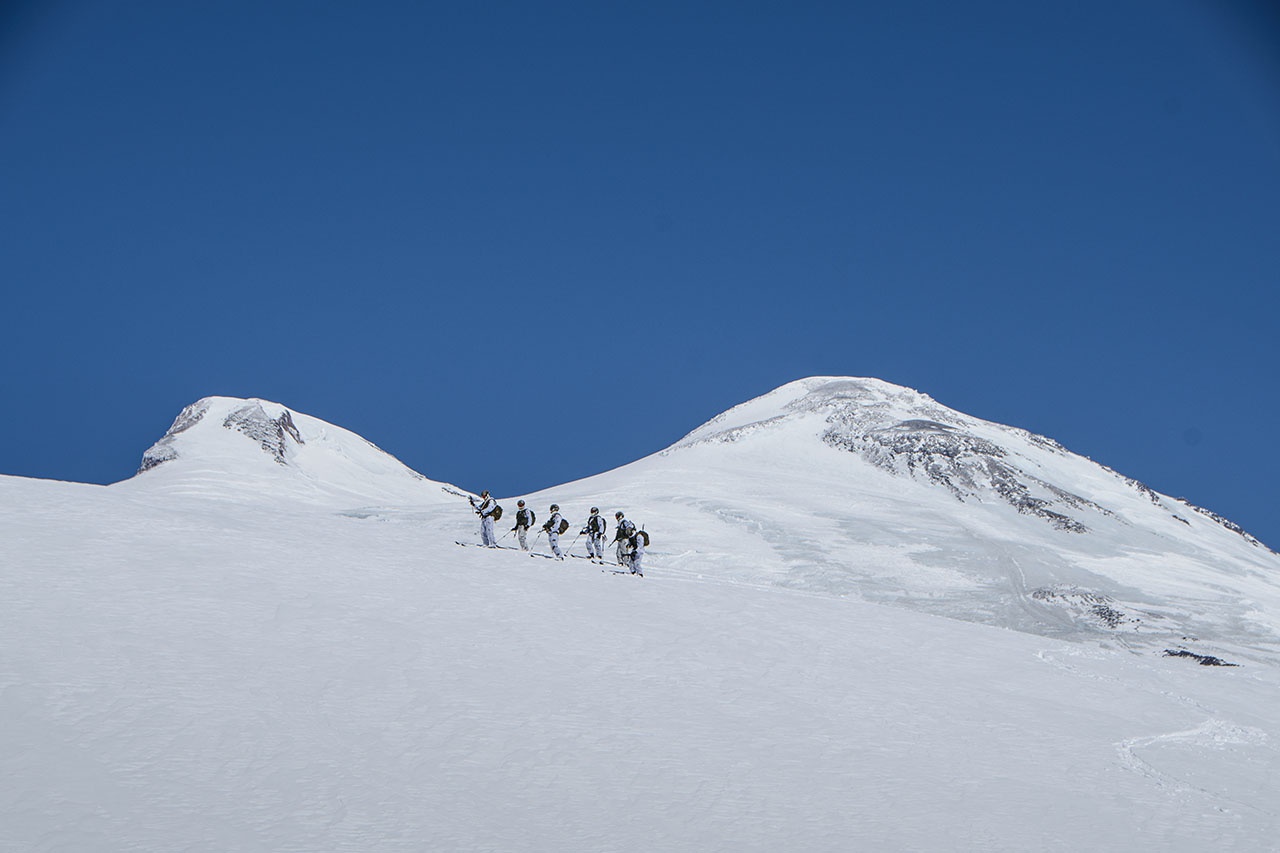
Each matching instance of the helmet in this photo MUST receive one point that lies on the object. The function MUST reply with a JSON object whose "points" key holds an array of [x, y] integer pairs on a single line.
{"points": [[519, 503], [594, 510], [618, 514], [485, 493], [555, 507]]}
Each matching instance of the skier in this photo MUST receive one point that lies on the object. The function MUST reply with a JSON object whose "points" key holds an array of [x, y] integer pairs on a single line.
{"points": [[524, 520], [552, 526], [595, 528], [624, 532], [636, 547], [485, 510]]}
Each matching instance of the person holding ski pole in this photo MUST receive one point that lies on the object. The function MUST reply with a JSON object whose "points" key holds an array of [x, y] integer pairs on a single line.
{"points": [[553, 526], [595, 535], [621, 536], [635, 546], [486, 509], [524, 521]]}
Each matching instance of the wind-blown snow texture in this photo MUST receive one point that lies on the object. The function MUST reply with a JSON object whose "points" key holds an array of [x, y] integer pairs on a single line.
{"points": [[267, 640]]}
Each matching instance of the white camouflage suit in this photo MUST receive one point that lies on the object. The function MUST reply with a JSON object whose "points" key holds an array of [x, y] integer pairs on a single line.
{"points": [[595, 529], [524, 520], [624, 532], [485, 510], [553, 532], [637, 554]]}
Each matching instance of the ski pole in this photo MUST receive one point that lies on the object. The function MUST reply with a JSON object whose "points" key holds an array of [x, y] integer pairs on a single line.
{"points": [[505, 535], [574, 542]]}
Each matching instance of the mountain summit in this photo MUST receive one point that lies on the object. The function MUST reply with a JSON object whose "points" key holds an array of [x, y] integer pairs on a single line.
{"points": [[250, 449], [909, 434], [857, 487]]}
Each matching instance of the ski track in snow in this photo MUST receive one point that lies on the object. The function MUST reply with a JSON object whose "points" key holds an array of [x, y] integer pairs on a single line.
{"points": [[1213, 735]]}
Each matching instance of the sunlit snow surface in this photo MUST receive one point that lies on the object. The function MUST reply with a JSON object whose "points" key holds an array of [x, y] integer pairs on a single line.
{"points": [[232, 652]]}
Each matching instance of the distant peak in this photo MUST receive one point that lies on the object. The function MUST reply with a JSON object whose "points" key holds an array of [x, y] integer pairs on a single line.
{"points": [[821, 394], [910, 435], [253, 449], [269, 424]]}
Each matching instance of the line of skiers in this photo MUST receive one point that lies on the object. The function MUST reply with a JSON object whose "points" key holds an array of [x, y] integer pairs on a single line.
{"points": [[630, 543]]}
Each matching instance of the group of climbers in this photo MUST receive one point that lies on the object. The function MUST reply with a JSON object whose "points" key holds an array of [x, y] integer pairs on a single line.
{"points": [[630, 543]]}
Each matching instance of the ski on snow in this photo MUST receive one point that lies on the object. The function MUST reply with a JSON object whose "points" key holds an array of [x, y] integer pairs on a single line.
{"points": [[478, 545], [550, 557]]}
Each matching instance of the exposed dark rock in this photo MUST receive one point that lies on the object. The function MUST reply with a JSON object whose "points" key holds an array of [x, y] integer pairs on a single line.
{"points": [[158, 454], [1095, 606], [1151, 493], [1228, 524], [163, 451], [272, 434], [1203, 660], [963, 463]]}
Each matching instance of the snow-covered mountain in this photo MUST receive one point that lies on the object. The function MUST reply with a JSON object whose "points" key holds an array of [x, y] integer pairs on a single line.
{"points": [[254, 449], [268, 640], [860, 488]]}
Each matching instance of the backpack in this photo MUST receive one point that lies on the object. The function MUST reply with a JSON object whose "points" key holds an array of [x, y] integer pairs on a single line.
{"points": [[525, 517], [497, 512], [564, 525], [642, 536], [597, 525]]}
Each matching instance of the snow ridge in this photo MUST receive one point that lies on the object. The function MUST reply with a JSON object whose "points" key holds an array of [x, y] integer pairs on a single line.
{"points": [[909, 434]]}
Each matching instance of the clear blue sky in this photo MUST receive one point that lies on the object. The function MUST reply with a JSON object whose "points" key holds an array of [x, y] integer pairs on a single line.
{"points": [[519, 243]]}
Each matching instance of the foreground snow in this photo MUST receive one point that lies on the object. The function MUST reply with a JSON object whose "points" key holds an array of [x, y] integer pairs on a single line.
{"points": [[182, 673]]}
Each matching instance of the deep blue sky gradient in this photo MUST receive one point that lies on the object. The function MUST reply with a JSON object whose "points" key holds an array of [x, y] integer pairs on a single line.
{"points": [[520, 243]]}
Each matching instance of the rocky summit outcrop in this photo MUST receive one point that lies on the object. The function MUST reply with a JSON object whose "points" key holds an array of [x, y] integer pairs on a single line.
{"points": [[232, 448], [273, 433]]}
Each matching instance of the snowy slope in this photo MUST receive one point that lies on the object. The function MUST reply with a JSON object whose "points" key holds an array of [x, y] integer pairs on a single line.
{"points": [[860, 488], [234, 653]]}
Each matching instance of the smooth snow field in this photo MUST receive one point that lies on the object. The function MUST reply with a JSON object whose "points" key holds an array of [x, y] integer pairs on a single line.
{"points": [[265, 645]]}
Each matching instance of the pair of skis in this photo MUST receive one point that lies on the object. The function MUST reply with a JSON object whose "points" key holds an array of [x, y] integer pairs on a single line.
{"points": [[605, 566], [550, 557]]}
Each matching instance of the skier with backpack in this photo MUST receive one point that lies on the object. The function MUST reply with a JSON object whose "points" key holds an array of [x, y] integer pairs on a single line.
{"points": [[622, 536], [489, 512], [595, 529], [555, 525], [636, 544], [524, 520]]}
